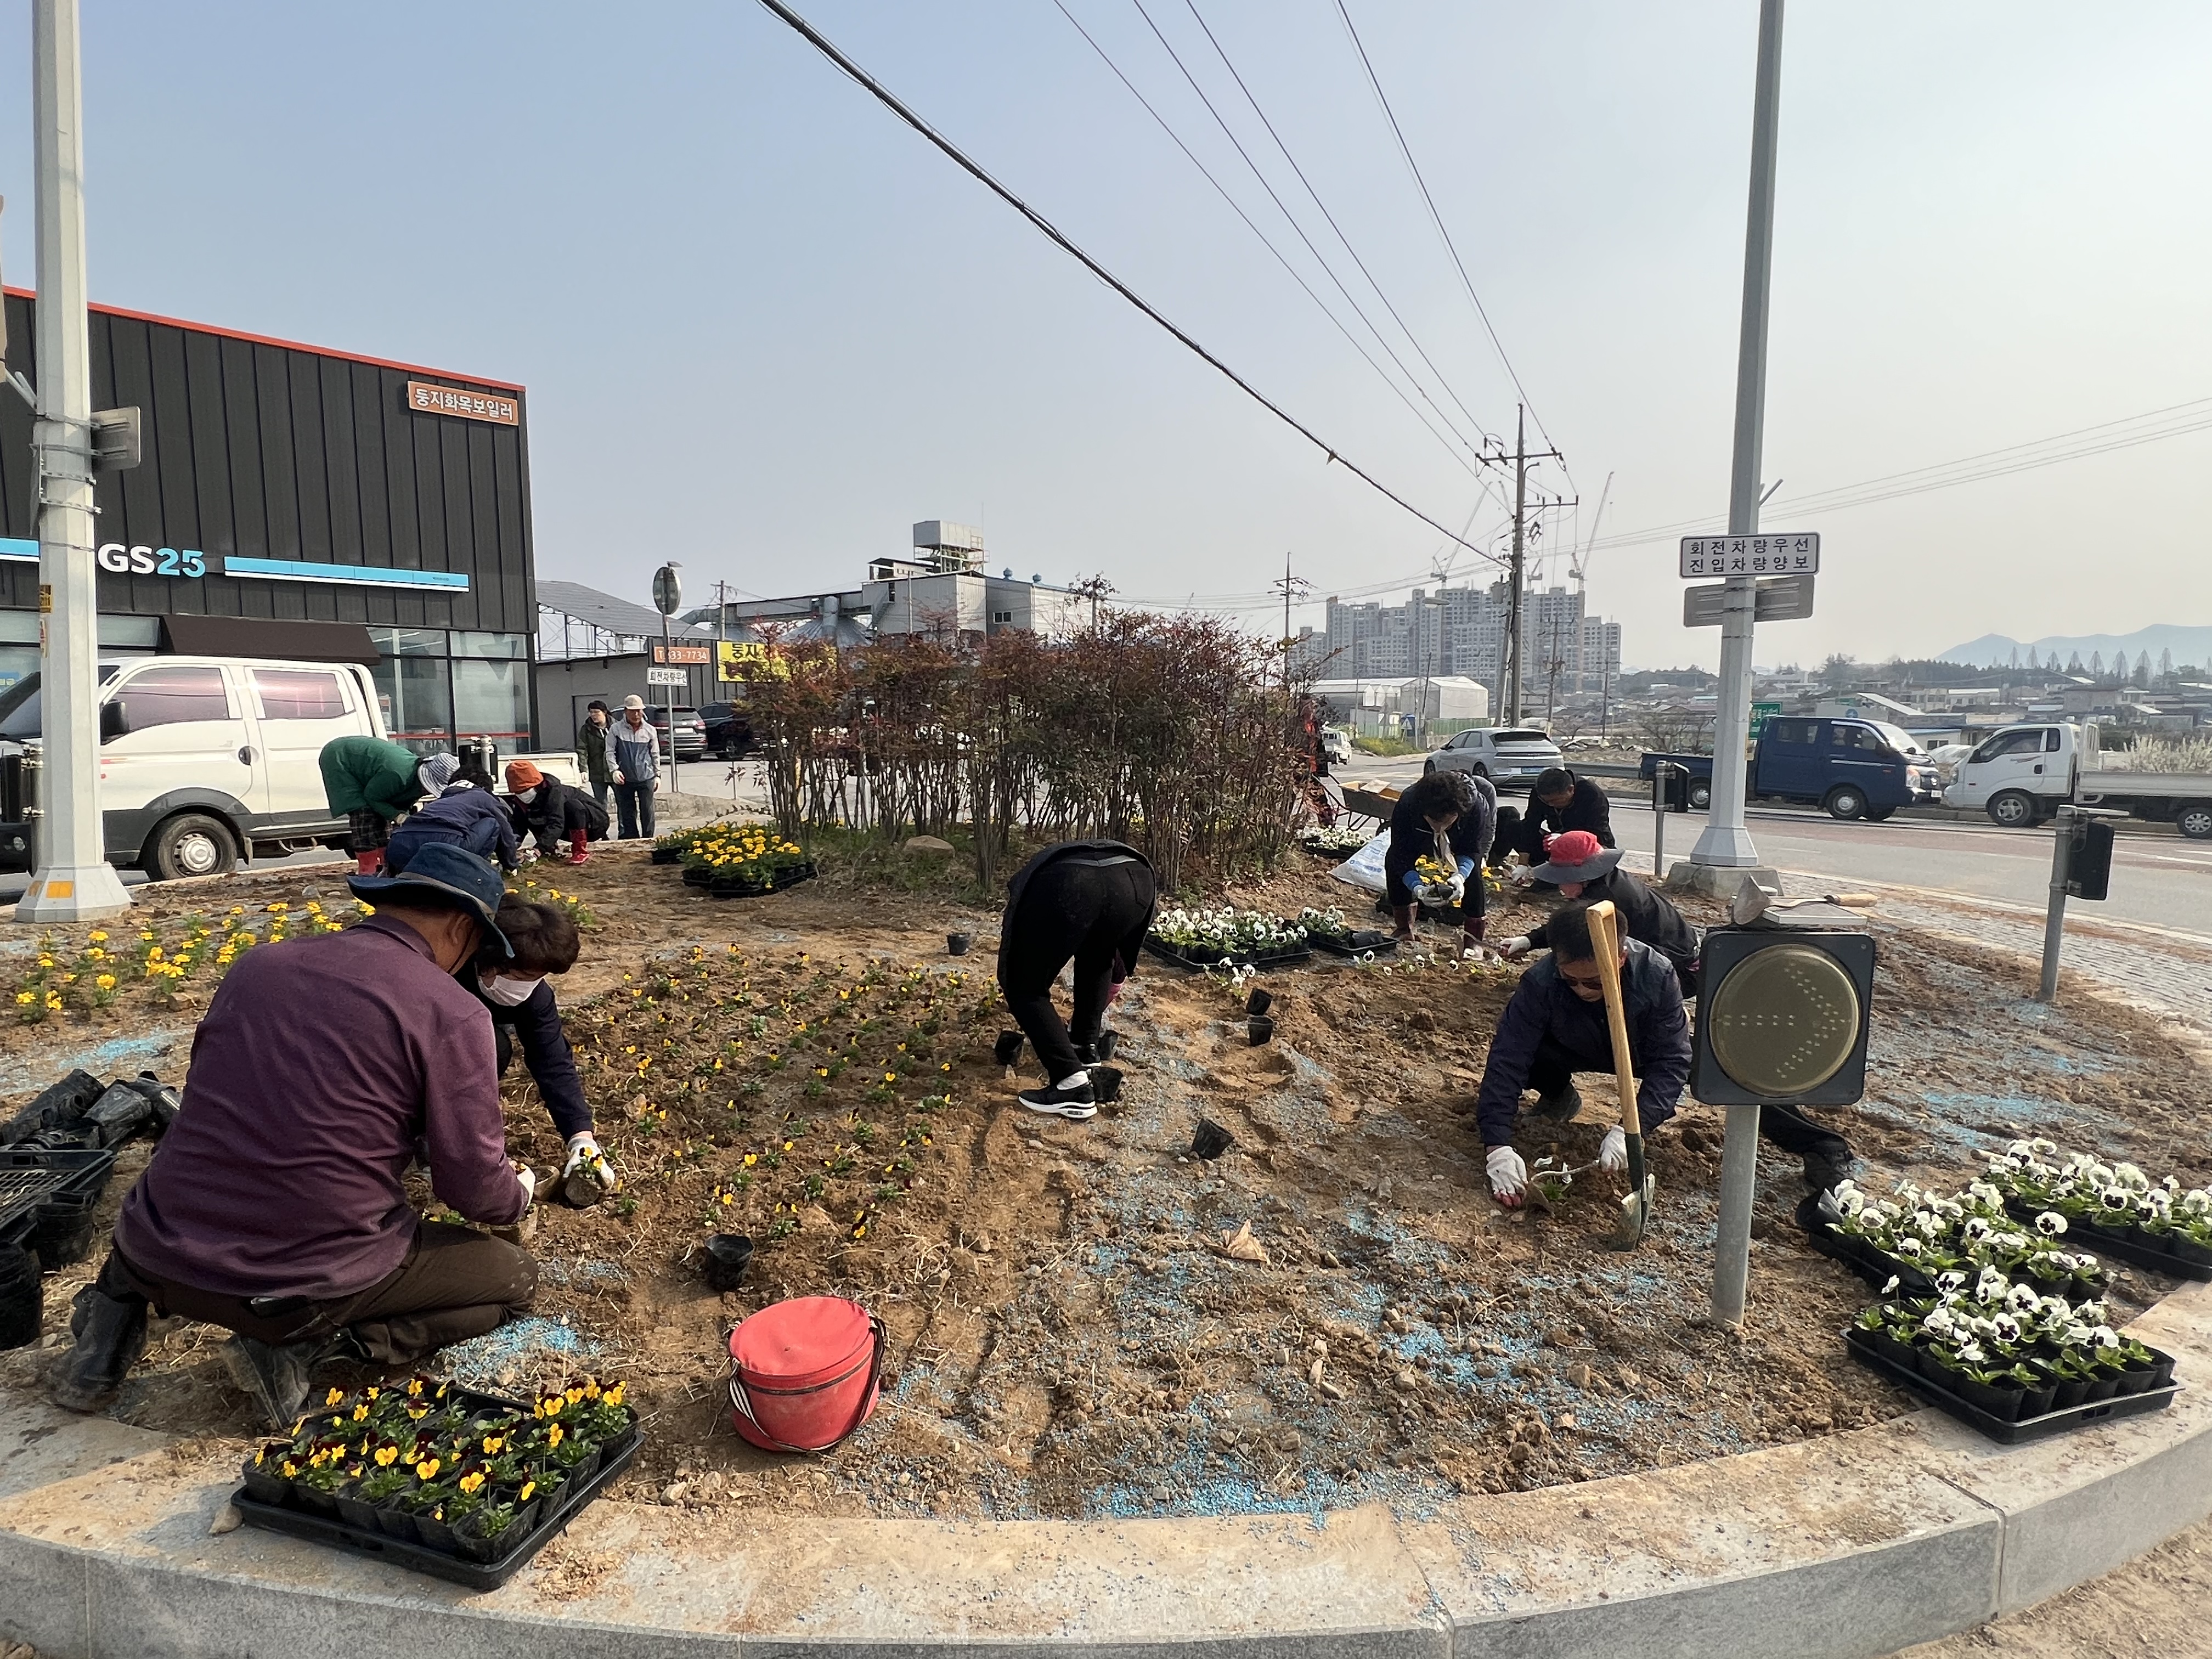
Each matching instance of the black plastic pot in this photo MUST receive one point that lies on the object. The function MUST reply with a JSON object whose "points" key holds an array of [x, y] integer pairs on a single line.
{"points": [[2068, 1392], [317, 1503], [2134, 1380], [265, 1485], [1260, 1001], [62, 1235], [1883, 1343], [355, 1511], [723, 1260], [1008, 1048], [1211, 1141], [1259, 1029], [1106, 1083], [666, 855], [472, 1545], [955, 944], [2103, 1388], [21, 1304], [2034, 1401], [2001, 1403], [436, 1533], [697, 875]]}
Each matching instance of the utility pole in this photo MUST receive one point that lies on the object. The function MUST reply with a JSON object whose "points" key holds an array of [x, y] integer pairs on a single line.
{"points": [[1292, 588], [1513, 593], [1725, 845], [74, 881]]}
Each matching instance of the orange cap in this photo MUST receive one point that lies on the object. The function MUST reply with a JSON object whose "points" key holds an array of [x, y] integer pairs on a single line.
{"points": [[522, 774]]}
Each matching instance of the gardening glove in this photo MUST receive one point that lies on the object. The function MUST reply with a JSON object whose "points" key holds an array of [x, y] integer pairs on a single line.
{"points": [[1516, 948], [586, 1160], [528, 1177], [1613, 1151], [1509, 1177], [1522, 874]]}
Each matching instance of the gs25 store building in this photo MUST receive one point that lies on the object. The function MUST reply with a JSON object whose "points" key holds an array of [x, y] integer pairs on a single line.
{"points": [[282, 484]]}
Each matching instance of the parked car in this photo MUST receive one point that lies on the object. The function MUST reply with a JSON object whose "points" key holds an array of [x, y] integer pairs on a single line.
{"points": [[1511, 758], [2021, 774], [1852, 768], [690, 732], [1336, 745], [729, 727]]}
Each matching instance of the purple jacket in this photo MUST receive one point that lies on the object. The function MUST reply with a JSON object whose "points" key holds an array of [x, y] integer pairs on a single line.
{"points": [[320, 1064]]}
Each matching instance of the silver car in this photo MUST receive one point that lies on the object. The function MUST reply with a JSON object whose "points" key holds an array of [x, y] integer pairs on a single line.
{"points": [[1510, 758]]}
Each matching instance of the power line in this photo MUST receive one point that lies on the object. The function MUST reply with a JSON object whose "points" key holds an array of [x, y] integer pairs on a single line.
{"points": [[1411, 338], [1291, 218], [1438, 220], [883, 94], [1452, 445]]}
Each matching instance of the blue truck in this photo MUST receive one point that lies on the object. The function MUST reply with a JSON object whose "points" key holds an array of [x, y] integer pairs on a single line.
{"points": [[1854, 768]]}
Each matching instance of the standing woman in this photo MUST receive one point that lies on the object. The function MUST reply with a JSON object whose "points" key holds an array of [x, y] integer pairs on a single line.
{"points": [[519, 997], [592, 757], [1449, 817], [1090, 900]]}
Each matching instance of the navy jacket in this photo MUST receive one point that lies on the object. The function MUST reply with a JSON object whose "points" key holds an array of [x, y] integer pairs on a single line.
{"points": [[1644, 914], [1589, 808], [1545, 1007], [1410, 837], [536, 1024], [470, 818]]}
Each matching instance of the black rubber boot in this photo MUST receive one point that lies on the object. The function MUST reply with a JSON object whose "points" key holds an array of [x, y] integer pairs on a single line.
{"points": [[1563, 1106], [111, 1334], [277, 1378], [1825, 1175]]}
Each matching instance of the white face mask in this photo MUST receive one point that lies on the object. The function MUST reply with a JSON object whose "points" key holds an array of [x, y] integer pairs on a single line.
{"points": [[509, 993], [526, 796]]}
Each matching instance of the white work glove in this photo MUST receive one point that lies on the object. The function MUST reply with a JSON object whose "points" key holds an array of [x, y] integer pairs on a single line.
{"points": [[585, 1157], [1613, 1151], [528, 1177], [1509, 1177], [529, 855], [1522, 874], [1515, 948]]}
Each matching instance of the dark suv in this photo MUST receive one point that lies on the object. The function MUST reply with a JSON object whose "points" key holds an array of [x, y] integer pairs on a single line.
{"points": [[690, 732], [729, 730]]}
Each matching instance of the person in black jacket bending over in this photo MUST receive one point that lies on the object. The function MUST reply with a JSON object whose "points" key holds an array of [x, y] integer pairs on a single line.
{"points": [[1581, 869], [1449, 817], [519, 997], [1555, 1026], [1090, 900], [1559, 802]]}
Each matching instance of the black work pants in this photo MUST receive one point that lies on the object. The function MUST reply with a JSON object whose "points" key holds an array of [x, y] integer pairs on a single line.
{"points": [[1095, 914], [1516, 834], [453, 1283]]}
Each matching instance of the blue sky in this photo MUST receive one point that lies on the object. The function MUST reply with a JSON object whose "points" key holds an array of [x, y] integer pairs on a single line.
{"points": [[764, 327]]}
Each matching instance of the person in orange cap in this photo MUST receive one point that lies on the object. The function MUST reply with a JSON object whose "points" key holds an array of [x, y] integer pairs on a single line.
{"points": [[550, 812]]}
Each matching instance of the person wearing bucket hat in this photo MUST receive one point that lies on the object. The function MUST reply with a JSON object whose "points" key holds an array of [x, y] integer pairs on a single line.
{"points": [[276, 1205], [1582, 869], [1449, 817], [1559, 803], [462, 816], [550, 812]]}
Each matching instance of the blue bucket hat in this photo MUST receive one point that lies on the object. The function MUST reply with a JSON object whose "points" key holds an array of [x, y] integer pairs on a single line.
{"points": [[470, 882]]}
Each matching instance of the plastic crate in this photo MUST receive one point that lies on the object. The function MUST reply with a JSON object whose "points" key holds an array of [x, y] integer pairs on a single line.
{"points": [[2017, 1431], [31, 1180]]}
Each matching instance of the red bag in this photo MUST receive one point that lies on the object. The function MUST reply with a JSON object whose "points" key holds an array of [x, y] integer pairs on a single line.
{"points": [[804, 1372]]}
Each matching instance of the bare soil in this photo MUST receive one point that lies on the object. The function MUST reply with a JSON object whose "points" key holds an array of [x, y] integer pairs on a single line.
{"points": [[1067, 1336]]}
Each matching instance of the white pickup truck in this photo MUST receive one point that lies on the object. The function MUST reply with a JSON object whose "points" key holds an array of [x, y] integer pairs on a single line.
{"points": [[2022, 774]]}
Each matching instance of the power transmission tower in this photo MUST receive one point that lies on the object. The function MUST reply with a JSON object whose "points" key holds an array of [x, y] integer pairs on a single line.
{"points": [[1291, 587], [1522, 456]]}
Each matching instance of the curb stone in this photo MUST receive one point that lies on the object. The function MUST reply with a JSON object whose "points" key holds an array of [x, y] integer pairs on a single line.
{"points": [[1845, 1547]]}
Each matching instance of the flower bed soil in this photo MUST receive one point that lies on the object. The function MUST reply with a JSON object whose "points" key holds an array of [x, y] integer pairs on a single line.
{"points": [[1067, 1336]]}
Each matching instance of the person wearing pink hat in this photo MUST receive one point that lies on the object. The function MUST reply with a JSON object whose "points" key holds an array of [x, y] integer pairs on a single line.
{"points": [[1581, 868]]}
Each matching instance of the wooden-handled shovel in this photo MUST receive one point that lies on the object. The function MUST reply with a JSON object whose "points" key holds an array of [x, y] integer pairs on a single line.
{"points": [[1605, 941]]}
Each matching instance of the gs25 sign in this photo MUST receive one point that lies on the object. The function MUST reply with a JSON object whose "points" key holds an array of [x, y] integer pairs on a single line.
{"points": [[142, 560]]}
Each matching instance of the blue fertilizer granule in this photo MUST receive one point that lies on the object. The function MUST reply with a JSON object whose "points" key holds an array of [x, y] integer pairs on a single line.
{"points": [[527, 1349]]}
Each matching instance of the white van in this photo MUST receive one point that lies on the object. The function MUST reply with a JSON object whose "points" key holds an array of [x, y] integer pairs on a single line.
{"points": [[207, 760]]}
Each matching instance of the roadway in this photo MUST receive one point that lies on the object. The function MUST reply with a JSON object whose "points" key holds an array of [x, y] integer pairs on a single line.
{"points": [[2160, 879]]}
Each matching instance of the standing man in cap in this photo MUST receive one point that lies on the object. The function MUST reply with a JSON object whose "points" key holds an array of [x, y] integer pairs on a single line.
{"points": [[275, 1206], [636, 749], [1581, 869], [1559, 804], [370, 782]]}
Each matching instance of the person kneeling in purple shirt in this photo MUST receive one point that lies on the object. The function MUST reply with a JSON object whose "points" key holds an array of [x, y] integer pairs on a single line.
{"points": [[274, 1205]]}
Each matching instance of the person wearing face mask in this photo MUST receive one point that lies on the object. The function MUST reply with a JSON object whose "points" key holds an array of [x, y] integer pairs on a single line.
{"points": [[276, 1206], [1581, 868], [519, 993], [550, 812], [1555, 1026]]}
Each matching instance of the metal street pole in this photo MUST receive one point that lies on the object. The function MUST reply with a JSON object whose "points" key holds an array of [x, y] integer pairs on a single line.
{"points": [[1513, 597], [1726, 843], [2054, 916], [74, 880]]}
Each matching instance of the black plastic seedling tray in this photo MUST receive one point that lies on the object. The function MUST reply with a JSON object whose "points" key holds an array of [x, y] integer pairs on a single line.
{"points": [[1877, 1269], [722, 888], [1288, 957], [2120, 1249], [32, 1180], [2020, 1431], [436, 1563], [1383, 944]]}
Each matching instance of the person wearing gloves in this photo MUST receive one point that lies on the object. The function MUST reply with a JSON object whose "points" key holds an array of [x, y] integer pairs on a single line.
{"points": [[550, 812], [1091, 901], [368, 782], [462, 816], [1555, 1026], [1582, 869], [635, 747], [276, 1205], [1559, 804], [516, 990], [1449, 817]]}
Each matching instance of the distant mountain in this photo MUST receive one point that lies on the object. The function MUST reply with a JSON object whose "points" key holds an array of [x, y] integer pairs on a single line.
{"points": [[2189, 645]]}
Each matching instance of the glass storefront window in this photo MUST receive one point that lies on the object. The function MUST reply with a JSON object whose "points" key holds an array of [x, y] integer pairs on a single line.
{"points": [[492, 699], [490, 645], [410, 641], [418, 706]]}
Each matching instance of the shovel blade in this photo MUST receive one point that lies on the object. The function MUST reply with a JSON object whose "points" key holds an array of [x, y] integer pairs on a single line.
{"points": [[1636, 1208]]}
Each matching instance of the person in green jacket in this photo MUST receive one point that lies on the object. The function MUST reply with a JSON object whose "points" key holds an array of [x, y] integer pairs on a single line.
{"points": [[592, 757], [372, 781]]}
